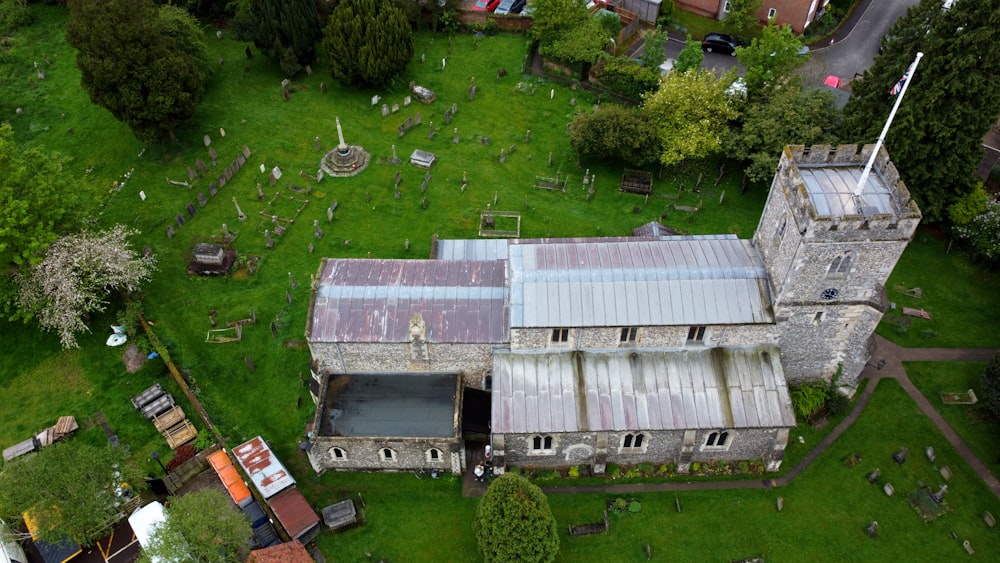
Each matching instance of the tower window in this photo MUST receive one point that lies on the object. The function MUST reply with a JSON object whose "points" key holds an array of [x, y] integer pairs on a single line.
{"points": [[696, 335], [840, 266], [629, 333]]}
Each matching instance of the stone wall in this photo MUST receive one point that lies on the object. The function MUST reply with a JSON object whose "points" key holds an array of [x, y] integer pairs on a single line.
{"points": [[604, 338], [409, 454], [473, 361], [597, 449]]}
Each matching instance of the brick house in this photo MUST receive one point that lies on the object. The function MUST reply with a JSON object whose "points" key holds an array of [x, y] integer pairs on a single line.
{"points": [[796, 13]]}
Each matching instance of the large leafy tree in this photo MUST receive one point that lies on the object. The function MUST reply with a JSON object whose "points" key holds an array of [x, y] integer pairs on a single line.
{"points": [[787, 116], [38, 199], [580, 44], [552, 18], [514, 524], [692, 112], [690, 56], [613, 131], [367, 42], [652, 48], [145, 64], [742, 14], [202, 527], [951, 102], [70, 488], [770, 58], [75, 277], [286, 30]]}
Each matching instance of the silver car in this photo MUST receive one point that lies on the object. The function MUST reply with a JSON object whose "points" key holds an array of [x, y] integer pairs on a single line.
{"points": [[504, 7]]}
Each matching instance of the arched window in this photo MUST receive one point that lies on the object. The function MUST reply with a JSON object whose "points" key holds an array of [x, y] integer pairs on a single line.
{"points": [[338, 454], [718, 440], [434, 455], [840, 266], [633, 443], [387, 454], [845, 264], [542, 444], [782, 224]]}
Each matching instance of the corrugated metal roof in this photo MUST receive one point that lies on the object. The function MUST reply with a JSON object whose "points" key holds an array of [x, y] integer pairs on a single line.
{"points": [[570, 391], [638, 282], [267, 473], [831, 191], [373, 300], [471, 249]]}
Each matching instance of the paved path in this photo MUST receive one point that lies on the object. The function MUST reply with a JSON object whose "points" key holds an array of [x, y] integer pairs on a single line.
{"points": [[892, 368]]}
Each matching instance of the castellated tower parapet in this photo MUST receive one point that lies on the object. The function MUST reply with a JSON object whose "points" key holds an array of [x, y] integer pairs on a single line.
{"points": [[829, 247]]}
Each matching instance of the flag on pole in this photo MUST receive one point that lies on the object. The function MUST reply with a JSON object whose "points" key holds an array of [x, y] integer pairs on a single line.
{"points": [[899, 85]]}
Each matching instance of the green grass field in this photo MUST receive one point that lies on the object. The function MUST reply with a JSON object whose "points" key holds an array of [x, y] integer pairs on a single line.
{"points": [[825, 508]]}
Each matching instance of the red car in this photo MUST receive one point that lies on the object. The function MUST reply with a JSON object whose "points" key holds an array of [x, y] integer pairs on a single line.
{"points": [[485, 5]]}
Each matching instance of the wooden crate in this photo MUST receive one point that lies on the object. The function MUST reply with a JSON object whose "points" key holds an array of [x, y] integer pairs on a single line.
{"points": [[180, 434], [168, 419]]}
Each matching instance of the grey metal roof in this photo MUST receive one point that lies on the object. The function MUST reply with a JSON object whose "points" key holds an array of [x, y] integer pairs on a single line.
{"points": [[471, 249], [372, 300], [639, 390], [831, 191], [680, 280], [391, 405]]}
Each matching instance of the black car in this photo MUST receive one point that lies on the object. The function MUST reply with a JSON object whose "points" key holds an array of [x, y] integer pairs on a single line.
{"points": [[719, 43], [518, 6]]}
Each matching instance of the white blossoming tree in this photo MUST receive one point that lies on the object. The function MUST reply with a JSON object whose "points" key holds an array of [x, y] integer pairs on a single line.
{"points": [[75, 277]]}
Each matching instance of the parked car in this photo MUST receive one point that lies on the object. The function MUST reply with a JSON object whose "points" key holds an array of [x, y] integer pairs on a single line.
{"points": [[485, 5], [504, 7], [518, 6], [719, 43], [527, 10]]}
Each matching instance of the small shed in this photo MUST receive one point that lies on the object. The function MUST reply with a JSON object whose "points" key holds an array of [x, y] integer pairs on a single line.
{"points": [[423, 159], [295, 514]]}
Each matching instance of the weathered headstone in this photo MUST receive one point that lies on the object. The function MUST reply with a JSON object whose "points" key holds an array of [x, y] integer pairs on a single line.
{"points": [[179, 219], [968, 547], [207, 140], [423, 203], [235, 166], [900, 456], [550, 160], [402, 129], [889, 490], [277, 172], [455, 138], [945, 472], [239, 212], [989, 519], [240, 159], [260, 192], [329, 214], [430, 131], [447, 117], [503, 156], [399, 177], [202, 200], [409, 123], [222, 132], [929, 451], [375, 100], [416, 119], [319, 175], [225, 231], [423, 186], [311, 247], [427, 176], [246, 151], [385, 110], [142, 195], [212, 190], [191, 174], [271, 180], [267, 235], [201, 166], [395, 108], [527, 136], [454, 109], [511, 149], [213, 155], [316, 144], [170, 231], [190, 209], [309, 70], [780, 503], [229, 173], [407, 101], [472, 92]]}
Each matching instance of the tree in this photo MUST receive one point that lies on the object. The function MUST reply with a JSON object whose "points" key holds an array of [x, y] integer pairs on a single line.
{"points": [[75, 277], [617, 132], [37, 199], [145, 65], [552, 18], [951, 102], [201, 526], [627, 78], [982, 233], [652, 51], [513, 522], [71, 489], [367, 42], [770, 58], [690, 57], [742, 15], [581, 44], [991, 387], [692, 113], [287, 30], [788, 116]]}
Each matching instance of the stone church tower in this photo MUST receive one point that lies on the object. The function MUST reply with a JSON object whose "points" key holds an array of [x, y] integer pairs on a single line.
{"points": [[828, 250]]}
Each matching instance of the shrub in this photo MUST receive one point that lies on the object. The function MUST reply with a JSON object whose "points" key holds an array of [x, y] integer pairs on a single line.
{"points": [[204, 440], [991, 387], [613, 470], [837, 403], [514, 523], [627, 78], [808, 398], [574, 472], [646, 468]]}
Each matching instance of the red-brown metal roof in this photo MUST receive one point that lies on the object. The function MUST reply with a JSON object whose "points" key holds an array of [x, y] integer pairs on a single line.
{"points": [[294, 513]]}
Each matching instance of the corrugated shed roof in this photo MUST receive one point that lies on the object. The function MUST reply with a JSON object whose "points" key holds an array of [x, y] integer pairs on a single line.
{"points": [[572, 391], [373, 300], [294, 513], [267, 473], [831, 191], [638, 282]]}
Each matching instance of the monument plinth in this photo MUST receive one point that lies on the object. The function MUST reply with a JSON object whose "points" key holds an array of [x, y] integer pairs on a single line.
{"points": [[345, 160]]}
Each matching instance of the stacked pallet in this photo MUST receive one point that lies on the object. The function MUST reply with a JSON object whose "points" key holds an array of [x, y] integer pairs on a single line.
{"points": [[158, 406], [64, 427]]}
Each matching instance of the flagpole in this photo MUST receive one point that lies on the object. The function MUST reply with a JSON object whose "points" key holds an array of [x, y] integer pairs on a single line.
{"points": [[912, 71]]}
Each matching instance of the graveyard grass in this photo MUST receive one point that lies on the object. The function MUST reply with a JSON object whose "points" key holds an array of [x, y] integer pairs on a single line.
{"points": [[409, 516]]}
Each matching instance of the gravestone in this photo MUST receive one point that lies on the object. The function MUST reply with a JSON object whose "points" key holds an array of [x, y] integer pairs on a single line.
{"points": [[430, 131], [311, 247], [780, 503], [397, 194], [873, 476], [274, 331], [277, 172], [263, 168], [329, 214], [225, 231], [375, 100], [248, 52], [246, 151], [945, 472], [260, 192], [202, 200], [170, 231], [395, 108], [472, 92], [179, 219], [447, 117], [487, 141], [271, 179], [398, 177], [889, 490], [212, 190], [142, 195], [503, 156], [191, 174], [229, 173], [407, 101], [319, 175], [316, 145], [427, 176], [322, 87], [385, 110], [527, 136], [416, 119], [288, 297], [511, 149], [455, 138], [929, 451], [989, 519], [240, 159], [190, 209], [309, 70], [222, 132], [402, 129], [236, 166], [454, 109], [409, 123], [267, 235], [423, 186], [872, 529], [207, 140], [201, 166], [900, 456], [550, 160]]}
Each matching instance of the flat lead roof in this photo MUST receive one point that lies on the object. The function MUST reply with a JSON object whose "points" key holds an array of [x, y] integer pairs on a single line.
{"points": [[831, 191], [390, 405]]}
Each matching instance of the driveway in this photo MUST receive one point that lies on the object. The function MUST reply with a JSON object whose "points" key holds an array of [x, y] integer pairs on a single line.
{"points": [[856, 44]]}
